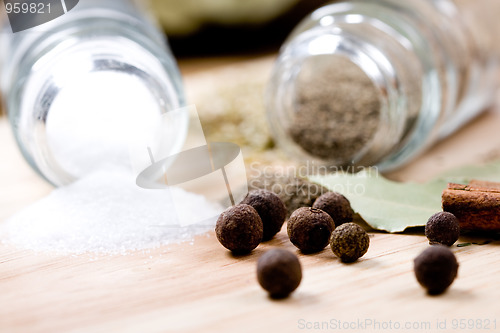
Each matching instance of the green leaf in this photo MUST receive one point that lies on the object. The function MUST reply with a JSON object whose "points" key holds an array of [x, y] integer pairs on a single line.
{"points": [[393, 206]]}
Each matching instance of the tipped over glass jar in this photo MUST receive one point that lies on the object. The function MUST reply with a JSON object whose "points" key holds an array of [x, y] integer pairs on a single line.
{"points": [[367, 82], [81, 88]]}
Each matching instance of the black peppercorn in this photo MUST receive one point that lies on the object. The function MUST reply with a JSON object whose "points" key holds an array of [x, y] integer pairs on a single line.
{"points": [[336, 205], [309, 229], [435, 269], [349, 242], [271, 210], [442, 228], [279, 272], [239, 228]]}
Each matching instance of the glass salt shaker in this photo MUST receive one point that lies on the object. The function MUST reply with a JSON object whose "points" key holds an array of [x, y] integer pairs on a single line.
{"points": [[79, 89], [367, 82]]}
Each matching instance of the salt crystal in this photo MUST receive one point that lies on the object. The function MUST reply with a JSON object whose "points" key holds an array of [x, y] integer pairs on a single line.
{"points": [[107, 213]]}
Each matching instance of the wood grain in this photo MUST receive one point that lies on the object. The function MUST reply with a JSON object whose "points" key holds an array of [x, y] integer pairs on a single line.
{"points": [[199, 287]]}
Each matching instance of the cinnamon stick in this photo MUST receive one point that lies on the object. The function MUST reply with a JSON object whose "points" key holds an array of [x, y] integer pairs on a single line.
{"points": [[476, 205]]}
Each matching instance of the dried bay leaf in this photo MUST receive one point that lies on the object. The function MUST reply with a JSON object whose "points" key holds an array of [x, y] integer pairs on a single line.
{"points": [[384, 204], [394, 206]]}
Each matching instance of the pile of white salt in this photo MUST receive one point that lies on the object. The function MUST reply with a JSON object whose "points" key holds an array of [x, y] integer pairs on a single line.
{"points": [[107, 213]]}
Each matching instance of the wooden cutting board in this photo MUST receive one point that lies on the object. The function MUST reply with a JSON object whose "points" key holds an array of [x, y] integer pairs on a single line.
{"points": [[198, 286]]}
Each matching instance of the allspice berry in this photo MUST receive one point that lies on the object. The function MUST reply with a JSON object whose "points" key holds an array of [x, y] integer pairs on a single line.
{"points": [[309, 229], [442, 228], [239, 228], [336, 205], [435, 269], [279, 272], [271, 209], [349, 242]]}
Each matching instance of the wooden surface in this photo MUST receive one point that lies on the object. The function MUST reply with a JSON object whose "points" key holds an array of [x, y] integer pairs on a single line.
{"points": [[200, 287]]}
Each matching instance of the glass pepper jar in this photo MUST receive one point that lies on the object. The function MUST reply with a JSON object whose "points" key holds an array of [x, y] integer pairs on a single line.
{"points": [[367, 82]]}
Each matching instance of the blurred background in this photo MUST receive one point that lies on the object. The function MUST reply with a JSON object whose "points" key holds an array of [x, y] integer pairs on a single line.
{"points": [[218, 44], [210, 28], [225, 50]]}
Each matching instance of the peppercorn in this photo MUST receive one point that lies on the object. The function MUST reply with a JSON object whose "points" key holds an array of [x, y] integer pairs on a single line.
{"points": [[349, 242], [442, 228], [239, 228], [309, 229], [435, 269], [336, 205], [279, 272], [271, 210]]}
